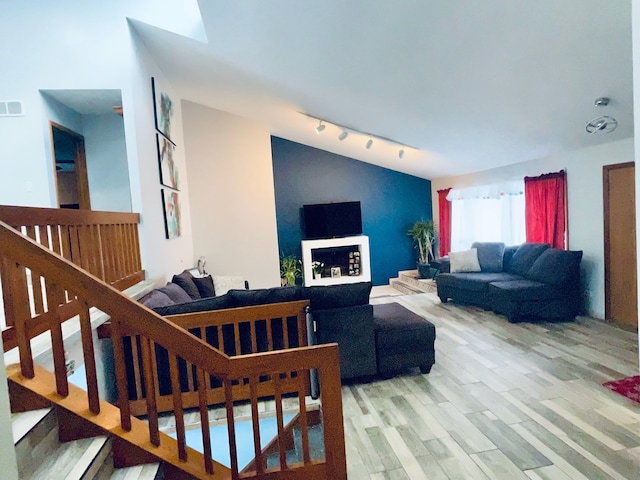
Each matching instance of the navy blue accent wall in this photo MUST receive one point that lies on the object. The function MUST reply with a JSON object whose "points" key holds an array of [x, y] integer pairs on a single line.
{"points": [[391, 202]]}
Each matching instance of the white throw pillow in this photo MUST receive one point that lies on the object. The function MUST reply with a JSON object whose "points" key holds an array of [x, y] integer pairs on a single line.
{"points": [[223, 283], [465, 261]]}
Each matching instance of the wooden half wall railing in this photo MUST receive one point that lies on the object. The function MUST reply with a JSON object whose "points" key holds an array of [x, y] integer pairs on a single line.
{"points": [[57, 275], [105, 244]]}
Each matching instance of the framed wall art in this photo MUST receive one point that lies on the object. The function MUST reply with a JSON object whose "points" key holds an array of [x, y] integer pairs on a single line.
{"points": [[171, 209], [169, 175], [162, 107]]}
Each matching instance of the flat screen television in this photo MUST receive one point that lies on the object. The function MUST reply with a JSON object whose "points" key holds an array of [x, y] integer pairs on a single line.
{"points": [[331, 220]]}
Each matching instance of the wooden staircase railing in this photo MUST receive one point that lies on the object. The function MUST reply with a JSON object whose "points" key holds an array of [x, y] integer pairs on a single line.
{"points": [[58, 282]]}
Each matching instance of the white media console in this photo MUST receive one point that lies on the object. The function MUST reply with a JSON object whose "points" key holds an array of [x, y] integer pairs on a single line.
{"points": [[346, 260]]}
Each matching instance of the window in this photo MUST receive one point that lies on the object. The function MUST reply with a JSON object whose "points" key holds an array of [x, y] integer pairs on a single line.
{"points": [[490, 213]]}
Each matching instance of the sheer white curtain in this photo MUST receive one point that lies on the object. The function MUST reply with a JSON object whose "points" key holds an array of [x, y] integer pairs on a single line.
{"points": [[490, 213]]}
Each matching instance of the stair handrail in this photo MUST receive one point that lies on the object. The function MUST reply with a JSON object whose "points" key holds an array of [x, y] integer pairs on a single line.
{"points": [[131, 316]]}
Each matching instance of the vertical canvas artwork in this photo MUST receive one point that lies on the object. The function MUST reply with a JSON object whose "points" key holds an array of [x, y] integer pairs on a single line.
{"points": [[171, 205], [169, 175], [163, 107]]}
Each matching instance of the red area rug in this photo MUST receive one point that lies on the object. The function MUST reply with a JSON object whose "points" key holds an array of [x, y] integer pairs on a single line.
{"points": [[627, 387]]}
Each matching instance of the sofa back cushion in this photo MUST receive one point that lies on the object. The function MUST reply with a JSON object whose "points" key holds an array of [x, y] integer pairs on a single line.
{"points": [[185, 281], [507, 256], [338, 296], [556, 267], [201, 305], [524, 257], [175, 293], [489, 255], [247, 298], [464, 261]]}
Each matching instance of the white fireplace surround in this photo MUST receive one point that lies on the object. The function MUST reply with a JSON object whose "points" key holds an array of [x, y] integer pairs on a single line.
{"points": [[360, 243]]}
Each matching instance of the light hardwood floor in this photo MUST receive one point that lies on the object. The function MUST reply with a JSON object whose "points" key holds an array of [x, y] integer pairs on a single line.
{"points": [[503, 401]]}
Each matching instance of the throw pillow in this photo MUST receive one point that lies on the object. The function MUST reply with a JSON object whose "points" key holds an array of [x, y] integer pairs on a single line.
{"points": [[245, 298], [524, 257], [185, 280], [223, 283], [175, 293], [489, 255], [464, 261], [556, 267], [156, 299], [205, 286]]}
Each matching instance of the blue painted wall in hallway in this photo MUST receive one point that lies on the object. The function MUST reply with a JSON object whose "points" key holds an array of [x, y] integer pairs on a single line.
{"points": [[391, 201]]}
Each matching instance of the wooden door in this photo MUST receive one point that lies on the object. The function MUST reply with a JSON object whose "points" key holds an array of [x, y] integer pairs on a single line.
{"points": [[70, 163], [621, 298]]}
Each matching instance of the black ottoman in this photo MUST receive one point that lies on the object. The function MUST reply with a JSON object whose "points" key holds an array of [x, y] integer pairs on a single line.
{"points": [[403, 339]]}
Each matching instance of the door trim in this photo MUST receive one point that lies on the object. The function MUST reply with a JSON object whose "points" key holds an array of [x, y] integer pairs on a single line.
{"points": [[80, 165]]}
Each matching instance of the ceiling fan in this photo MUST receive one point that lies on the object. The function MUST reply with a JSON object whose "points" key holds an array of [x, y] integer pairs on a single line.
{"points": [[605, 124]]}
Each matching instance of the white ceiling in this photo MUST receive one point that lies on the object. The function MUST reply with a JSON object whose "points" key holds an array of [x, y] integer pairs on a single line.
{"points": [[472, 85]]}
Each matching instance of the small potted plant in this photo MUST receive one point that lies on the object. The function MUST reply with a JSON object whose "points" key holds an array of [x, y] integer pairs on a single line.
{"points": [[289, 269], [317, 269], [424, 238]]}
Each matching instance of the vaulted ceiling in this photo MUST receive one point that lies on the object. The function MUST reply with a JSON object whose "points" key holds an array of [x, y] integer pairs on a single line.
{"points": [[465, 85]]}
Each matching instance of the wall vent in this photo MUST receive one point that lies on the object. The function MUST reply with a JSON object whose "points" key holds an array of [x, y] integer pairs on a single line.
{"points": [[11, 108]]}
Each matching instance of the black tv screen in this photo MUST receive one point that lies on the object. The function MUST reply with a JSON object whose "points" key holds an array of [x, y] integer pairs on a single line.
{"points": [[330, 220]]}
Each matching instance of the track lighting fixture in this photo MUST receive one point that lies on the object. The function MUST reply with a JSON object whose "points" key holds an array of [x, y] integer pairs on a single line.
{"points": [[348, 130]]}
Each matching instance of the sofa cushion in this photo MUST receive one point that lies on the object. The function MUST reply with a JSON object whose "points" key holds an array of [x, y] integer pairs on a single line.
{"points": [[156, 299], [489, 255], [223, 283], [474, 281], [507, 256], [524, 257], [464, 261], [338, 296], [246, 298], [205, 286], [524, 290], [185, 281], [201, 305], [175, 293], [555, 266]]}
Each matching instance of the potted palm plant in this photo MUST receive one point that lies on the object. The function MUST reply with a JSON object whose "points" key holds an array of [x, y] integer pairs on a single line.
{"points": [[423, 234]]}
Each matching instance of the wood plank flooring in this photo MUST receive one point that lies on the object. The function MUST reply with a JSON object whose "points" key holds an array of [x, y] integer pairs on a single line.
{"points": [[503, 401]]}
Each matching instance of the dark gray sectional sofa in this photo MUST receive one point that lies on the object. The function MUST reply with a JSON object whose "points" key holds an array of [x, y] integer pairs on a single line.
{"points": [[525, 282], [341, 313]]}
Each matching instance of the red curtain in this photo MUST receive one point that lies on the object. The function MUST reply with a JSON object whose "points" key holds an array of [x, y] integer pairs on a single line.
{"points": [[444, 212], [546, 209]]}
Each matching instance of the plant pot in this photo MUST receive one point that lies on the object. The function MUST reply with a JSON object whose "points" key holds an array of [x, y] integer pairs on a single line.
{"points": [[425, 271]]}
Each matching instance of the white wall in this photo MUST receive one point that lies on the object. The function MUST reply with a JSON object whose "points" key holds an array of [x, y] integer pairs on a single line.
{"points": [[232, 194], [107, 168], [585, 199]]}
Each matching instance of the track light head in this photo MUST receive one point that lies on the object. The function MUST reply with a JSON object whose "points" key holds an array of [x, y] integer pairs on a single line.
{"points": [[401, 153], [369, 143], [343, 135], [320, 127]]}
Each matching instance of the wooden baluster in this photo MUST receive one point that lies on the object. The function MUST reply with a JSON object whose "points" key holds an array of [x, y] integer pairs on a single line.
{"points": [[152, 409], [66, 233], [204, 419], [220, 339], [254, 340], [135, 359], [128, 237], [285, 333], [332, 420], [178, 410], [121, 373], [135, 247], [255, 418], [99, 253], [74, 245], [236, 334], [106, 238], [231, 428], [89, 358], [304, 421], [302, 329], [280, 420], [17, 311], [54, 298], [270, 334]]}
